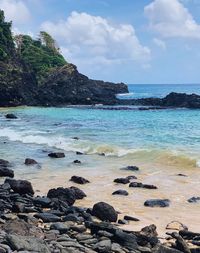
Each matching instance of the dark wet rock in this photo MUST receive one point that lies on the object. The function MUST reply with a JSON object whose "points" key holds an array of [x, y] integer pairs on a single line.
{"points": [[103, 246], [130, 218], [42, 202], [5, 172], [104, 212], [4, 163], [56, 155], [165, 249], [127, 240], [79, 194], [122, 180], [122, 222], [157, 202], [194, 200], [181, 175], [180, 243], [64, 194], [131, 168], [61, 227], [79, 180], [141, 185], [79, 153], [72, 217], [10, 116], [131, 177], [29, 161], [47, 217], [120, 192], [149, 231], [20, 227], [75, 138], [20, 186], [77, 162], [189, 235], [79, 228], [25, 243]]}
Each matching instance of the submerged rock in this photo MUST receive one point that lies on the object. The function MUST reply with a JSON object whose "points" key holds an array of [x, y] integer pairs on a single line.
{"points": [[29, 161], [56, 155], [79, 180], [157, 202], [10, 116], [104, 212], [20, 186], [77, 162]]}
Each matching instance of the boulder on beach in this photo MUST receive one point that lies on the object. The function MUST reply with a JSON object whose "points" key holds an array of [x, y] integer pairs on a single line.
{"points": [[130, 218], [77, 162], [104, 212], [131, 168], [122, 180], [79, 180], [4, 170], [194, 200], [56, 155], [64, 194], [120, 192], [29, 161], [20, 186], [141, 185], [157, 202], [79, 194], [10, 116]]}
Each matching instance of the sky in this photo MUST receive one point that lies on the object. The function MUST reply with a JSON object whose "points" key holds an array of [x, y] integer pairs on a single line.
{"points": [[131, 41]]}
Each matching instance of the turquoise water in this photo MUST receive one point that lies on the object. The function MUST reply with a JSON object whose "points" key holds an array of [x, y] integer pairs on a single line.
{"points": [[115, 133]]}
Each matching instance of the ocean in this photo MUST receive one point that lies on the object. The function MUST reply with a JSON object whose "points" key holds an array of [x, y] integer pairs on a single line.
{"points": [[162, 143]]}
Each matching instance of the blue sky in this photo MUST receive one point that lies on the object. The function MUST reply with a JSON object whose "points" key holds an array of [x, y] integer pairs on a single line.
{"points": [[133, 41]]}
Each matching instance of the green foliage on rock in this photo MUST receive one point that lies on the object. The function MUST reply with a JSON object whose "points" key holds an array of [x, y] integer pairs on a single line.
{"points": [[39, 56], [6, 40]]}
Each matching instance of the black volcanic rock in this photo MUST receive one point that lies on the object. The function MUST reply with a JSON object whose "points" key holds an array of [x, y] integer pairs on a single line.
{"points": [[11, 116], [20, 186], [104, 212], [171, 100], [79, 180], [64, 194], [157, 202], [56, 155], [65, 85]]}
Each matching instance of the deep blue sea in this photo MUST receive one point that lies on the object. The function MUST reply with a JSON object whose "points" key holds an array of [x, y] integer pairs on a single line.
{"points": [[162, 143]]}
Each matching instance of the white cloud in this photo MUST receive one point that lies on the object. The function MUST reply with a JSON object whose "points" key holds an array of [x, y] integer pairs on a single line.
{"points": [[15, 10], [160, 43], [171, 19], [95, 40]]}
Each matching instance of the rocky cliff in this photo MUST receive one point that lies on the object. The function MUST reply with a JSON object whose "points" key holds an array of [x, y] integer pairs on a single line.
{"points": [[33, 72]]}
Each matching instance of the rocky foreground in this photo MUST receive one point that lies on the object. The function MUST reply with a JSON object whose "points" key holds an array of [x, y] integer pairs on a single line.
{"points": [[53, 223]]}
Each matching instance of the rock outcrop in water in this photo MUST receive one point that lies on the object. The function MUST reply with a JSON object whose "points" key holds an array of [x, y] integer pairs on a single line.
{"points": [[181, 100]]}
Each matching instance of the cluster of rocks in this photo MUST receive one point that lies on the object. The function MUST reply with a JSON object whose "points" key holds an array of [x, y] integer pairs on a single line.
{"points": [[54, 224]]}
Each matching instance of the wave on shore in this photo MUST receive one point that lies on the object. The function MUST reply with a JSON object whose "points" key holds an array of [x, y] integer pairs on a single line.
{"points": [[160, 156]]}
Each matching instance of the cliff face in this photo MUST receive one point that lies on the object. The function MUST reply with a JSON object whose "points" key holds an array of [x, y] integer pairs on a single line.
{"points": [[63, 86], [66, 85]]}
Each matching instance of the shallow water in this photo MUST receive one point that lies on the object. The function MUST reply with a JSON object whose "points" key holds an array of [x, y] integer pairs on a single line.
{"points": [[162, 143]]}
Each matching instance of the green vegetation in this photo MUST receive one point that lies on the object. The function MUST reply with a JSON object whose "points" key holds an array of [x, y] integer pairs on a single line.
{"points": [[38, 55], [6, 40]]}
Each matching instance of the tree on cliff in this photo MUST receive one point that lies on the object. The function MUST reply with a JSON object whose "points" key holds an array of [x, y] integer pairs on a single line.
{"points": [[6, 40]]}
